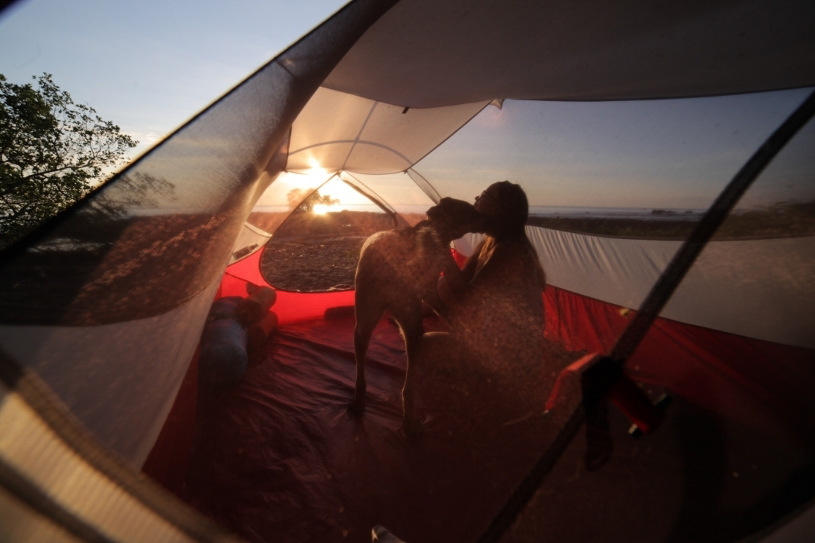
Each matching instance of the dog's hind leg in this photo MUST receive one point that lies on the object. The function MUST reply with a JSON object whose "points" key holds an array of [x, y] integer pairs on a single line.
{"points": [[366, 321]]}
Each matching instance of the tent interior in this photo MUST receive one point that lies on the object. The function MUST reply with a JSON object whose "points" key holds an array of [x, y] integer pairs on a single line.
{"points": [[623, 123]]}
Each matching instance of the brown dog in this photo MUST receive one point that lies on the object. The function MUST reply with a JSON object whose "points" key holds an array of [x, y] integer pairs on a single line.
{"points": [[397, 271]]}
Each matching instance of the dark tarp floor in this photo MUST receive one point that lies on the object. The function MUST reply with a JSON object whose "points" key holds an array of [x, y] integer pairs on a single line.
{"points": [[279, 458]]}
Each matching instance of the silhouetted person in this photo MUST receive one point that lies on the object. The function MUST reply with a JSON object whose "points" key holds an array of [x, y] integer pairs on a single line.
{"points": [[496, 313]]}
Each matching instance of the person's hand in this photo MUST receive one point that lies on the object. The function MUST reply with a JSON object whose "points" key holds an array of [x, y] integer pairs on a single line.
{"points": [[445, 293], [450, 290]]}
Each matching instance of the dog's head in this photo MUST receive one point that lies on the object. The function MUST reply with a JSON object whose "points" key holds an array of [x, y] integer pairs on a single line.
{"points": [[453, 218]]}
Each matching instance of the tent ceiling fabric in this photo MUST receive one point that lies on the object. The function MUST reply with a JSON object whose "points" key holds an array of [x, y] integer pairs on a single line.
{"points": [[345, 132], [425, 53]]}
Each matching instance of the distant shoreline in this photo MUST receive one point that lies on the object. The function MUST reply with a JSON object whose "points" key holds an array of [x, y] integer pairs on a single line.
{"points": [[644, 213], [780, 220], [777, 221], [333, 240]]}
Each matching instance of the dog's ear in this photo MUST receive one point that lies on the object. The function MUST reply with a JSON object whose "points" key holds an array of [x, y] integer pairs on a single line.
{"points": [[450, 209], [456, 217], [436, 212], [464, 212]]}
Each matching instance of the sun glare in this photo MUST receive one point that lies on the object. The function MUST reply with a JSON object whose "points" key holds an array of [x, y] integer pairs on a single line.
{"points": [[316, 172], [332, 193]]}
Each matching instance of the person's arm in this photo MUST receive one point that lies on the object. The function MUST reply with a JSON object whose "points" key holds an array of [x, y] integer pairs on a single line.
{"points": [[498, 265], [453, 287], [450, 279]]}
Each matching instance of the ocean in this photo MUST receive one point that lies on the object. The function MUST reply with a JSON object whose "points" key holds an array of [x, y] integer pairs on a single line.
{"points": [[644, 213]]}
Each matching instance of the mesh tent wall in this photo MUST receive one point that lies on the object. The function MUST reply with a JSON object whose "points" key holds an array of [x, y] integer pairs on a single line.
{"points": [[103, 307], [81, 332]]}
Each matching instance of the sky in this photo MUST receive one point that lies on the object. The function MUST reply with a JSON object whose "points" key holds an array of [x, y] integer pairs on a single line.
{"points": [[151, 65], [648, 153]]}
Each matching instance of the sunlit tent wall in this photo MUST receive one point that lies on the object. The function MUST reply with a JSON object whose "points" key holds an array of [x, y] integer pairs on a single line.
{"points": [[389, 106]]}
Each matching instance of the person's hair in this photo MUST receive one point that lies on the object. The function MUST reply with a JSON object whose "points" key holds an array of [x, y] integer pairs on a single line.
{"points": [[514, 208], [511, 222]]}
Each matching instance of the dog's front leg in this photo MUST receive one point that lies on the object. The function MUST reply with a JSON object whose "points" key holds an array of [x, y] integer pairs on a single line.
{"points": [[367, 314], [362, 336], [412, 331]]}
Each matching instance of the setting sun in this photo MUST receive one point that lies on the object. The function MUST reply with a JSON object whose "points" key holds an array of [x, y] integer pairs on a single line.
{"points": [[320, 209]]}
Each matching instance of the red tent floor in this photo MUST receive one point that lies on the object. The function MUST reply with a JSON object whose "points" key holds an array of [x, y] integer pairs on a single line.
{"points": [[279, 457]]}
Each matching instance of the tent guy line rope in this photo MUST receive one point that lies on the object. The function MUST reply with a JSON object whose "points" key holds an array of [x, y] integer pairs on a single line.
{"points": [[653, 304]]}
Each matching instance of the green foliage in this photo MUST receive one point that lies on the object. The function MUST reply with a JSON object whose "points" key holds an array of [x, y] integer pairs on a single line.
{"points": [[52, 153], [297, 201]]}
